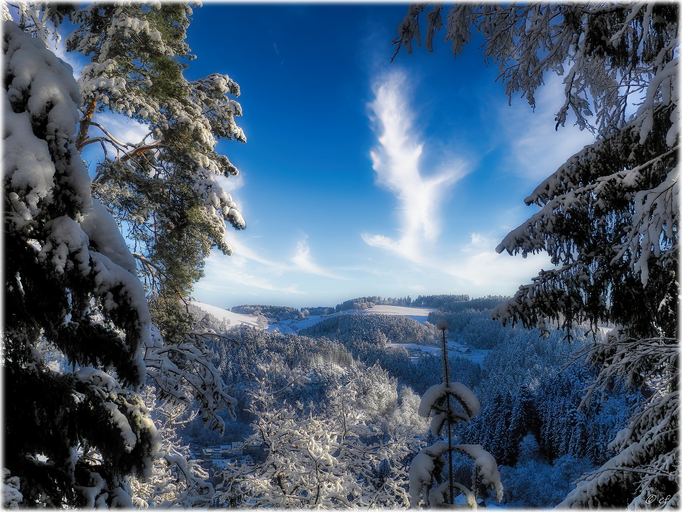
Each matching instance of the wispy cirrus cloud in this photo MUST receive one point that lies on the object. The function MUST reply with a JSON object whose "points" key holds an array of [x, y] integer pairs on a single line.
{"points": [[248, 280], [303, 261], [479, 264], [244, 251], [537, 150], [240, 269], [396, 161]]}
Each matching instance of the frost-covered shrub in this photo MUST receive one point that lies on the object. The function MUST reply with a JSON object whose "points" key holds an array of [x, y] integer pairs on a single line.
{"points": [[307, 459]]}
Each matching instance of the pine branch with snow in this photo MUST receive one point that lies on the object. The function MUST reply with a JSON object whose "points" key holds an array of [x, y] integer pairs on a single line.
{"points": [[164, 188], [609, 217], [73, 437]]}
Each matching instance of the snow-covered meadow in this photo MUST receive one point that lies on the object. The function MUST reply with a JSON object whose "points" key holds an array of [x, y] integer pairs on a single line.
{"points": [[235, 319]]}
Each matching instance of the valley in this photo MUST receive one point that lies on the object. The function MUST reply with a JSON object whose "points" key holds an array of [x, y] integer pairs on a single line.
{"points": [[386, 357]]}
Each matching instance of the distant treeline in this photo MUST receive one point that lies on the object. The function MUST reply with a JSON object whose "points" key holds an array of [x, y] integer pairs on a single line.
{"points": [[320, 310], [270, 312], [422, 301], [449, 303], [484, 303]]}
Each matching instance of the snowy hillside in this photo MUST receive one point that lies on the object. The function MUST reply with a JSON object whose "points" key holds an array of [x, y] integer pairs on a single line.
{"points": [[293, 326], [223, 314], [418, 314]]}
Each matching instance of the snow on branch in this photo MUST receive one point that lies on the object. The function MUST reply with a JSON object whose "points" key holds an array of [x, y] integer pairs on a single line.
{"points": [[194, 376], [434, 397], [527, 41]]}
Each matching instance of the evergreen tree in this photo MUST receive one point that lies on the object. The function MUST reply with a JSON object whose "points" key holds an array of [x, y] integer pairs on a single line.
{"points": [[162, 192], [609, 216], [520, 423], [71, 438], [500, 445], [447, 404], [162, 189]]}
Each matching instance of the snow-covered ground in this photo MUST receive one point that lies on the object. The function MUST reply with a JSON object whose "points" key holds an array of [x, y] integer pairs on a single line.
{"points": [[418, 314], [454, 348], [220, 313], [287, 326]]}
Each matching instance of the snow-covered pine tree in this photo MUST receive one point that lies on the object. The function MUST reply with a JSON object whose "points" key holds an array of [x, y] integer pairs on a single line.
{"points": [[426, 479], [158, 193], [161, 189], [609, 215], [71, 438]]}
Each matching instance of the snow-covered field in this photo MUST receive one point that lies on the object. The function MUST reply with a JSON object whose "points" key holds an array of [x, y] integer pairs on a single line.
{"points": [[418, 314], [454, 348], [220, 313]]}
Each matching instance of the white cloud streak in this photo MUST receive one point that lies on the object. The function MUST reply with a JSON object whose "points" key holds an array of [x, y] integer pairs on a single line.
{"points": [[237, 270], [303, 261], [480, 265], [241, 249], [396, 162], [538, 149]]}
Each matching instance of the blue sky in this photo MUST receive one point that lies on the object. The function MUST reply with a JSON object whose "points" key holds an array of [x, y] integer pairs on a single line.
{"points": [[362, 177]]}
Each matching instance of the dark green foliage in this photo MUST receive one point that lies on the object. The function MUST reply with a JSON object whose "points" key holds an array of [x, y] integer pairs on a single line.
{"points": [[171, 317]]}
